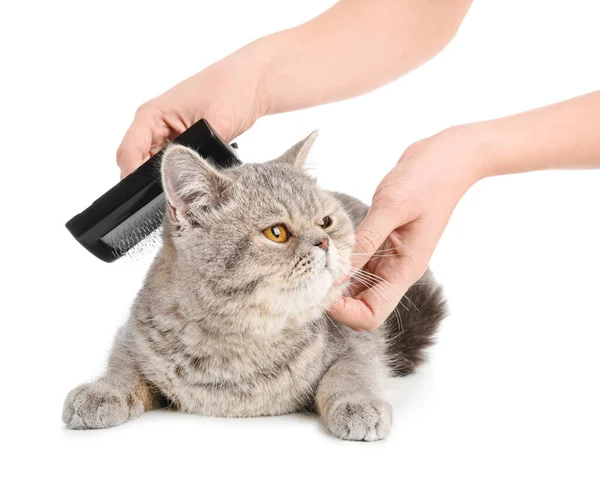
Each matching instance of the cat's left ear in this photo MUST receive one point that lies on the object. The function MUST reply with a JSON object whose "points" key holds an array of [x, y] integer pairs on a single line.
{"points": [[191, 185], [296, 155]]}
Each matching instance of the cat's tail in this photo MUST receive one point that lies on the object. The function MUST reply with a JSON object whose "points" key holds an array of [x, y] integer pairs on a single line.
{"points": [[411, 329]]}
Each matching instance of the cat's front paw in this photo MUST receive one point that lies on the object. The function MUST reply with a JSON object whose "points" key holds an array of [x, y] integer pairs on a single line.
{"points": [[359, 419], [95, 405]]}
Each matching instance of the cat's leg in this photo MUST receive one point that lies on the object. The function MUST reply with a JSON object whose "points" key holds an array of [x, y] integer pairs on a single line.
{"points": [[348, 398], [119, 395]]}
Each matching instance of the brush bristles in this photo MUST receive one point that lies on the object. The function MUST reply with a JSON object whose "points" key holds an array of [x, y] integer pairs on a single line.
{"points": [[140, 234], [150, 244]]}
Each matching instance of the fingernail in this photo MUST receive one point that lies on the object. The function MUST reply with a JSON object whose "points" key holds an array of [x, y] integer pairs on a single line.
{"points": [[341, 280]]}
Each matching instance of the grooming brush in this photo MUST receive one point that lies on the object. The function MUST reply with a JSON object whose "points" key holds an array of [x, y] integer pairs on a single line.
{"points": [[133, 210]]}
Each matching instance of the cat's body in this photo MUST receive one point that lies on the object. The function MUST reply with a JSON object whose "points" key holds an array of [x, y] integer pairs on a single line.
{"points": [[228, 324]]}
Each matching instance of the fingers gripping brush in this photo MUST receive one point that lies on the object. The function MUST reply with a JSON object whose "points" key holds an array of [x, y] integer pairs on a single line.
{"points": [[131, 212]]}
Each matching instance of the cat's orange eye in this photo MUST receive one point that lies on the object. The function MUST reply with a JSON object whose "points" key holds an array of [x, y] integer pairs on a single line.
{"points": [[277, 233], [325, 222]]}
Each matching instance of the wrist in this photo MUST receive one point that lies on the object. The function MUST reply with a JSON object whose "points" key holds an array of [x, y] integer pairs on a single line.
{"points": [[469, 146], [482, 138], [229, 93], [491, 142], [255, 59], [277, 57]]}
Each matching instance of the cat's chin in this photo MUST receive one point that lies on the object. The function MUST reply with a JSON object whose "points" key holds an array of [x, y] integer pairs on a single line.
{"points": [[312, 292]]}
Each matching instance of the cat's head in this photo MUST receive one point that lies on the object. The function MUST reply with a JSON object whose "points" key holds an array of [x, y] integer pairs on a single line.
{"points": [[261, 236]]}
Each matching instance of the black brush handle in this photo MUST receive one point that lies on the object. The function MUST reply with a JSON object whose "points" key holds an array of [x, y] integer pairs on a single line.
{"points": [[139, 195]]}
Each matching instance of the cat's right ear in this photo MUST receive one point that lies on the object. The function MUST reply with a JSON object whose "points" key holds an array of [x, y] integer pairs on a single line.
{"points": [[296, 155], [192, 186]]}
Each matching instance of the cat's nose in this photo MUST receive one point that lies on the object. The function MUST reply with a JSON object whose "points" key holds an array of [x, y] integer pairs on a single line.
{"points": [[323, 243]]}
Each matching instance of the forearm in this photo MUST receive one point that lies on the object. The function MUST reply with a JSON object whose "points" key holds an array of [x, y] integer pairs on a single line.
{"points": [[354, 47], [565, 135]]}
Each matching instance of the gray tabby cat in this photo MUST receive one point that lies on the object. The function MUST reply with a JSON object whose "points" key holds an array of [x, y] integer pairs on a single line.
{"points": [[231, 318]]}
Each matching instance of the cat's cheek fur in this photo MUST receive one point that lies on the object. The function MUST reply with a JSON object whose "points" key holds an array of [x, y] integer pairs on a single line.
{"points": [[318, 292]]}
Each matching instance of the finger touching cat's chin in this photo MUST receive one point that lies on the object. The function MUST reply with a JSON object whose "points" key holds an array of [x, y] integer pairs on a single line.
{"points": [[335, 292]]}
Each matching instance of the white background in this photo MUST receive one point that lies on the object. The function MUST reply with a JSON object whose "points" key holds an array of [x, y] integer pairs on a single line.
{"points": [[509, 401]]}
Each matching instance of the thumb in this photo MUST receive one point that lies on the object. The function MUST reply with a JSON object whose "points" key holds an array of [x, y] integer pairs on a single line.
{"points": [[135, 147], [379, 222]]}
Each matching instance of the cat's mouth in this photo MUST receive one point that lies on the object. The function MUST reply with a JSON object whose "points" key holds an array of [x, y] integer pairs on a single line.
{"points": [[312, 268]]}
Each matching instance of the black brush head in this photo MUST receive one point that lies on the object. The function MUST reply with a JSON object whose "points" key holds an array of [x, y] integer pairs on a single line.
{"points": [[133, 209]]}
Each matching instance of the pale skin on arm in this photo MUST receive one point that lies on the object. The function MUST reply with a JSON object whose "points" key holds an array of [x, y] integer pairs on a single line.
{"points": [[352, 48], [413, 203], [355, 47]]}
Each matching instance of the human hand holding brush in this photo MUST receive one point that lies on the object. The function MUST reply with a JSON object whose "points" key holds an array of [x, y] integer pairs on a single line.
{"points": [[226, 94]]}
